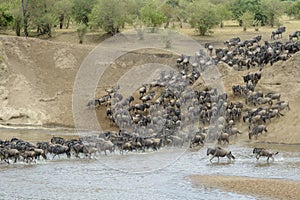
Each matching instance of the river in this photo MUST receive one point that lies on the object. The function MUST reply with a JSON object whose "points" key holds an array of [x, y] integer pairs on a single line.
{"points": [[150, 175]]}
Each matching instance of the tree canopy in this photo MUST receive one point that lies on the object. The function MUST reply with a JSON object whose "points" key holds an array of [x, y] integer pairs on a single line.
{"points": [[36, 17]]}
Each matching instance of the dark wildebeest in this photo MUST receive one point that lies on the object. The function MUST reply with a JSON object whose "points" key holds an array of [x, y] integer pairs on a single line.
{"points": [[93, 103], [257, 129], [263, 152], [278, 32], [293, 35], [58, 149], [197, 140], [57, 140], [219, 152]]}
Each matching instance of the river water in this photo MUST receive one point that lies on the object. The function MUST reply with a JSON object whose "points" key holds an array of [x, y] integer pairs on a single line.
{"points": [[150, 175]]}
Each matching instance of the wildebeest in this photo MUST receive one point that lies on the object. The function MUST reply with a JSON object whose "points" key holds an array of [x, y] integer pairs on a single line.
{"points": [[105, 146], [219, 152], [93, 103], [57, 149], [278, 32], [263, 152], [57, 140], [293, 35], [232, 42], [223, 137], [256, 130], [28, 155], [197, 140], [10, 153]]}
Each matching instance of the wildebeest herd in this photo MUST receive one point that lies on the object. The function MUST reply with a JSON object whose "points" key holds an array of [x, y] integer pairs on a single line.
{"points": [[169, 111], [20, 150]]}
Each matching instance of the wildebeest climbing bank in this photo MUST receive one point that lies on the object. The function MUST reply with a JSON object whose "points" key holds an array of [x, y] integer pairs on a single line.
{"points": [[107, 99]]}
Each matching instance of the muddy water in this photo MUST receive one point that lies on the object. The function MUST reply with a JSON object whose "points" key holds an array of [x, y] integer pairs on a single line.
{"points": [[150, 175]]}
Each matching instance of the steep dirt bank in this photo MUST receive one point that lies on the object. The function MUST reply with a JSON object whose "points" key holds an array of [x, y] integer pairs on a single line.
{"points": [[36, 80], [37, 77]]}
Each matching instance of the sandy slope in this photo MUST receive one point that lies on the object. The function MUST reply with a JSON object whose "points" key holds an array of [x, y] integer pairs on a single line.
{"points": [[261, 188], [38, 80], [37, 77]]}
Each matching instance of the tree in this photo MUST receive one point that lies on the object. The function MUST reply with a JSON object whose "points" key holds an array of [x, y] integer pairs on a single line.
{"points": [[151, 16], [41, 13], [82, 9], [182, 14], [247, 20], [81, 31], [6, 17], [273, 10], [25, 16], [239, 7], [16, 12], [223, 13], [63, 12], [294, 10], [133, 10], [169, 12], [110, 15], [203, 16]]}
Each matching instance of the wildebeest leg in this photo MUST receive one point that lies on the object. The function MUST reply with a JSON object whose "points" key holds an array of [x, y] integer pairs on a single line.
{"points": [[212, 158], [257, 157]]}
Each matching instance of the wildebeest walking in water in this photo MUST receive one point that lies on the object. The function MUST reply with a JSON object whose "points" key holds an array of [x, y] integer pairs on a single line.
{"points": [[219, 152], [263, 152]]}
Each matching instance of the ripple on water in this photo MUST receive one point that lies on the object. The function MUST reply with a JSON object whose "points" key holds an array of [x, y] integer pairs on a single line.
{"points": [[150, 175]]}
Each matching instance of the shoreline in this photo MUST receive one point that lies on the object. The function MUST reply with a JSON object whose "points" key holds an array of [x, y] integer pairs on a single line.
{"points": [[257, 187]]}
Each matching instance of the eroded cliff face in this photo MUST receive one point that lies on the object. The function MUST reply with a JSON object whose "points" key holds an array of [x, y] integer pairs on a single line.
{"points": [[36, 81]]}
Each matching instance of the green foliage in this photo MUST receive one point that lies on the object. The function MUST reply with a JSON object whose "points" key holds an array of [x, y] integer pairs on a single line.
{"points": [[42, 16], [169, 12], [247, 20], [109, 15], [273, 10], [82, 9], [294, 10], [6, 17], [151, 16], [133, 11], [203, 16], [223, 12], [81, 31], [239, 7], [113, 15], [62, 11]]}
